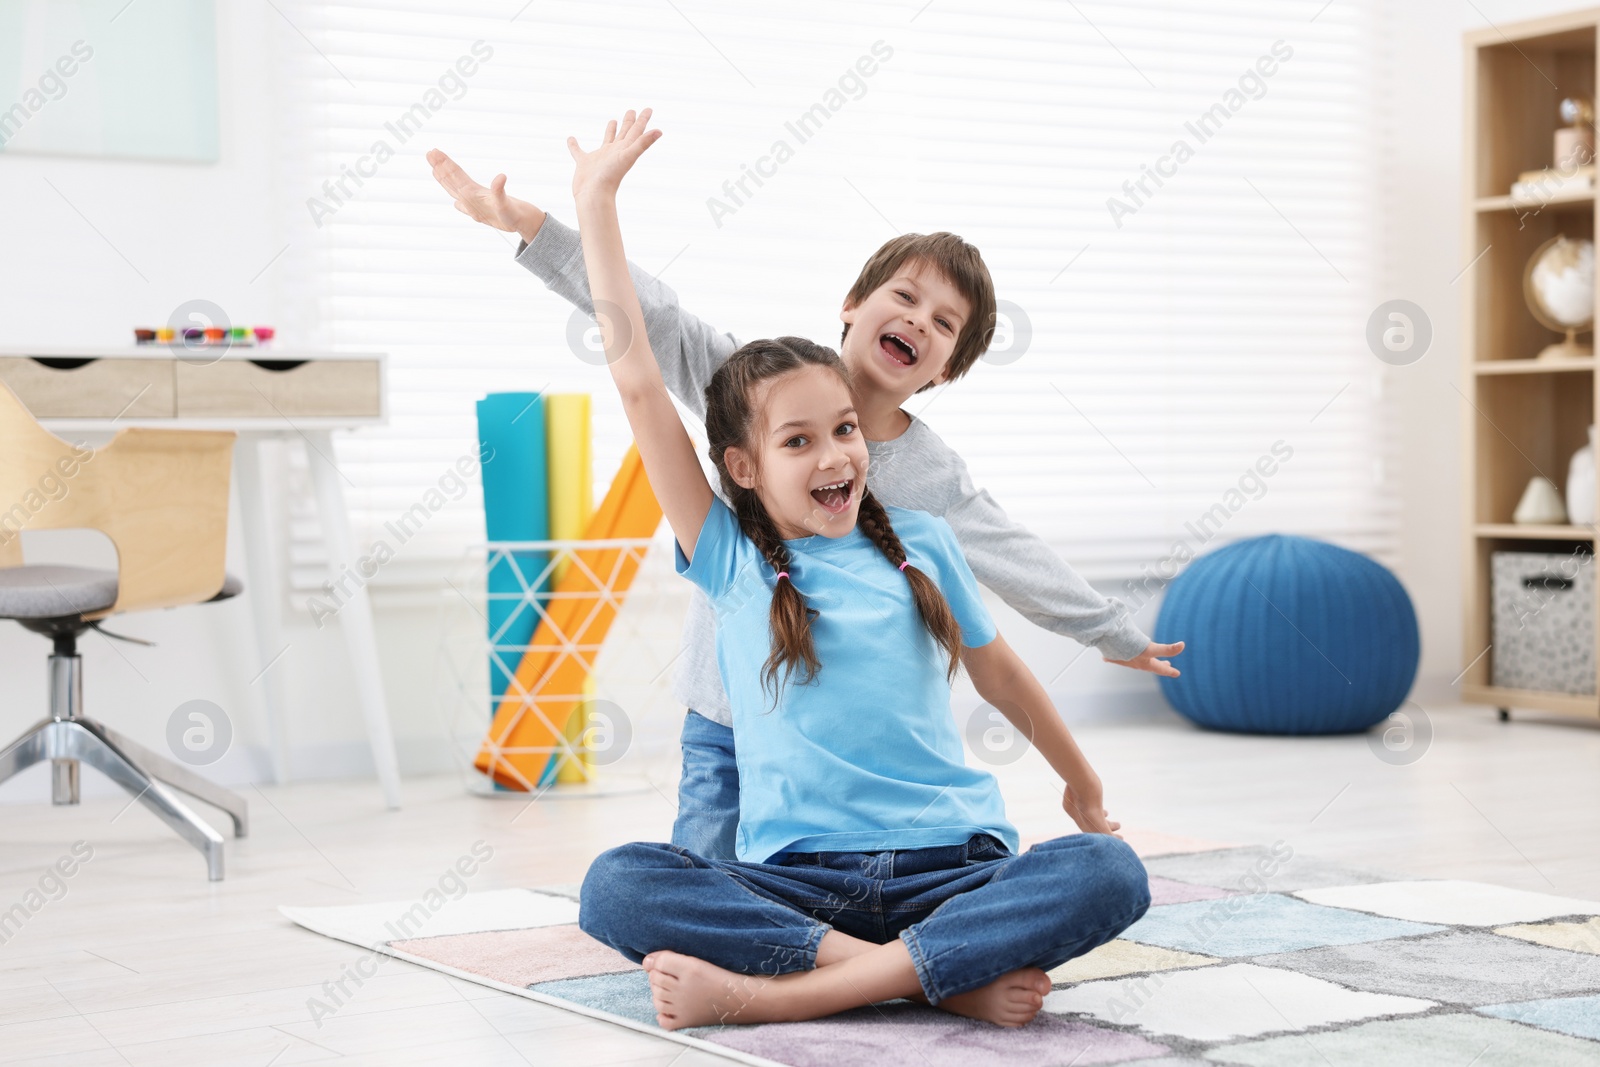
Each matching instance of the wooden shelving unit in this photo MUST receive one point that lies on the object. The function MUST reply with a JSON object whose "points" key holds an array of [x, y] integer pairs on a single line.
{"points": [[1529, 417]]}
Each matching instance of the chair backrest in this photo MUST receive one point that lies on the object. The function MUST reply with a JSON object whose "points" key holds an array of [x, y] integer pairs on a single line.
{"points": [[161, 496]]}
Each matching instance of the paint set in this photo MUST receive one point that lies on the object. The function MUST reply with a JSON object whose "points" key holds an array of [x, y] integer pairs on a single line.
{"points": [[199, 336]]}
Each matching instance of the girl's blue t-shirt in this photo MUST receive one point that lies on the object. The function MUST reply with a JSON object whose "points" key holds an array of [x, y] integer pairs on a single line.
{"points": [[866, 757]]}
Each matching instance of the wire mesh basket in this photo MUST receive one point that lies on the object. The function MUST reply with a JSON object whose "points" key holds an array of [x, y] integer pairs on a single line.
{"points": [[555, 662]]}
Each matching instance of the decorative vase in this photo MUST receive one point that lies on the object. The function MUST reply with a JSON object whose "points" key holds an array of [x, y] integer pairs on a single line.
{"points": [[1540, 504], [1580, 485]]}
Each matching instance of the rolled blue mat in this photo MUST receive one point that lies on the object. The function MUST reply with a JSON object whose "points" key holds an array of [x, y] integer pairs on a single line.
{"points": [[516, 507]]}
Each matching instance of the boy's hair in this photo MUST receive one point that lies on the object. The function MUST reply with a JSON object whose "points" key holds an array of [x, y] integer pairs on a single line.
{"points": [[730, 421], [961, 264]]}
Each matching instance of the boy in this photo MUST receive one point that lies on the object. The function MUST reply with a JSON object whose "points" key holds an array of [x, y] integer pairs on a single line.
{"points": [[921, 313]]}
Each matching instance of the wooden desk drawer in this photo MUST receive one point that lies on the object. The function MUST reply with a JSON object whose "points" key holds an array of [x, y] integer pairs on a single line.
{"points": [[242, 388], [91, 388]]}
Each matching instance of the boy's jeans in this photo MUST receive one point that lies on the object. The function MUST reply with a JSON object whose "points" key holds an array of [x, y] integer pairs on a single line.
{"points": [[968, 913], [708, 792]]}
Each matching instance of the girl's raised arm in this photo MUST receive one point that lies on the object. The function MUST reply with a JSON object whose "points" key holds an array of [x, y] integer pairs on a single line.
{"points": [[664, 445]]}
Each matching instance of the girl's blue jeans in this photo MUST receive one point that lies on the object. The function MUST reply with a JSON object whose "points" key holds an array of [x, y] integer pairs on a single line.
{"points": [[967, 913]]}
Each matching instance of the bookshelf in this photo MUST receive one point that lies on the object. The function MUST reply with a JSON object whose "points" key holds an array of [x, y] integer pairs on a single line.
{"points": [[1526, 417]]}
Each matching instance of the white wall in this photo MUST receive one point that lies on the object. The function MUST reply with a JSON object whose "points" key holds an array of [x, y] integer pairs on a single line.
{"points": [[206, 231]]}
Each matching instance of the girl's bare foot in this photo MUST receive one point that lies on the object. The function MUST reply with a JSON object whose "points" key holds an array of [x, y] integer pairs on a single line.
{"points": [[688, 991], [691, 992], [1013, 999]]}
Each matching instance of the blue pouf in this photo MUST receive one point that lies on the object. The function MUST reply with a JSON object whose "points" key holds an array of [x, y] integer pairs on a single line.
{"points": [[1288, 635]]}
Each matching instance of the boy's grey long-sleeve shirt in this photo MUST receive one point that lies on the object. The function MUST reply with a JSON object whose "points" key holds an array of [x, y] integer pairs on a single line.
{"points": [[915, 470]]}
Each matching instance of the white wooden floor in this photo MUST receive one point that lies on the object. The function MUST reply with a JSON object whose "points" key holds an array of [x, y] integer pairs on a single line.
{"points": [[142, 961]]}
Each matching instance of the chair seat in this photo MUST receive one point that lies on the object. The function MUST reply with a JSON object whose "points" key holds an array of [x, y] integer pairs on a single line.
{"points": [[53, 591]]}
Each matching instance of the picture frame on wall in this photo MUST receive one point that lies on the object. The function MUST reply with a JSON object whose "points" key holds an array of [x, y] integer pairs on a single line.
{"points": [[109, 79]]}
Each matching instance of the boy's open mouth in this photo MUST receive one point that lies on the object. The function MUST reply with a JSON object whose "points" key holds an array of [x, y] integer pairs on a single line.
{"points": [[898, 348], [834, 498]]}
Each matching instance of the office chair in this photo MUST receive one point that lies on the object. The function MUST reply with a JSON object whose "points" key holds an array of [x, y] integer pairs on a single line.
{"points": [[161, 496]]}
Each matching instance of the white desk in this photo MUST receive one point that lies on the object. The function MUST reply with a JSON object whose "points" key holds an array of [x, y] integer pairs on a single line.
{"points": [[261, 393]]}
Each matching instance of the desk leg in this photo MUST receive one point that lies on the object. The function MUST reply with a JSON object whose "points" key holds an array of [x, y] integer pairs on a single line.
{"points": [[355, 616], [263, 593]]}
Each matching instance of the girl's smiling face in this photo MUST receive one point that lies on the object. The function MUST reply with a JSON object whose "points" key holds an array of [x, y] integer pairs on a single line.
{"points": [[903, 334], [807, 458]]}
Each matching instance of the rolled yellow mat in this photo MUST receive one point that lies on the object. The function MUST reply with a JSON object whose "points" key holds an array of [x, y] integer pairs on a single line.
{"points": [[569, 467]]}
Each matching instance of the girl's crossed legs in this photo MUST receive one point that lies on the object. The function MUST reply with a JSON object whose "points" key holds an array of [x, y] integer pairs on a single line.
{"points": [[969, 927]]}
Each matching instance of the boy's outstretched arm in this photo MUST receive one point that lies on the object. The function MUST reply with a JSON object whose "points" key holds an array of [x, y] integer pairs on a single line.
{"points": [[1033, 578], [688, 350], [1003, 680], [664, 445]]}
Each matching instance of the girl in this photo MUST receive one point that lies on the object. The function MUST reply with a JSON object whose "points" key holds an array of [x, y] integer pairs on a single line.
{"points": [[873, 863]]}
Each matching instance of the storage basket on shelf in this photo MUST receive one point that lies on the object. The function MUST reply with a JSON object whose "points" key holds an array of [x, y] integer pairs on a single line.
{"points": [[1543, 620]]}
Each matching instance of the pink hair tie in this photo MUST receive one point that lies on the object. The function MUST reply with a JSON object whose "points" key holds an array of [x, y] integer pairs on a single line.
{"points": [[782, 575], [906, 564]]}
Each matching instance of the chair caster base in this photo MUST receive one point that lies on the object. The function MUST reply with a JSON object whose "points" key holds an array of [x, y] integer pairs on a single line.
{"points": [[150, 778]]}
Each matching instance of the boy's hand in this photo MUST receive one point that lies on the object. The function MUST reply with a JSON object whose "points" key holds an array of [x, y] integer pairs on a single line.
{"points": [[486, 204], [600, 172], [1148, 659], [1084, 803]]}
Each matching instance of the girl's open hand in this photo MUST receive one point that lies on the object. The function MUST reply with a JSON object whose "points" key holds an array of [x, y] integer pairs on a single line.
{"points": [[600, 172], [1084, 804], [1150, 659]]}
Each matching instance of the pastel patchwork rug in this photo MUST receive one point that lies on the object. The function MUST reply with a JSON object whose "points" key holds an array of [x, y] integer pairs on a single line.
{"points": [[1251, 955]]}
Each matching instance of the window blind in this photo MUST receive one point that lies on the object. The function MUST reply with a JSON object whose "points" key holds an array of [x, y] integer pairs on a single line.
{"points": [[1179, 320]]}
